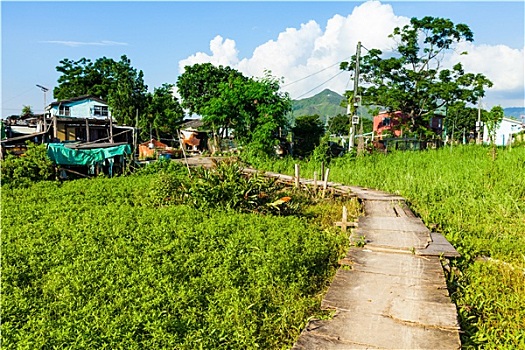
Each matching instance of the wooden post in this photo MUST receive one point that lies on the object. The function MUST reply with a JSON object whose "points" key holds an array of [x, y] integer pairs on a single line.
{"points": [[87, 130], [55, 132], [344, 224], [184, 153], [297, 175], [315, 181], [110, 129], [325, 184]]}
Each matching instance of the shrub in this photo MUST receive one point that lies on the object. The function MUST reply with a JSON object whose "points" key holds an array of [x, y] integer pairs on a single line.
{"points": [[33, 165]]}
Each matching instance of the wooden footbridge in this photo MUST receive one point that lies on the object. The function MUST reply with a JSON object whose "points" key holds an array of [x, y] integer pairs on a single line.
{"points": [[390, 291]]}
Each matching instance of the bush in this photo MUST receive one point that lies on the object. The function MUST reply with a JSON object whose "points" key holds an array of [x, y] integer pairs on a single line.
{"points": [[87, 265], [33, 165]]}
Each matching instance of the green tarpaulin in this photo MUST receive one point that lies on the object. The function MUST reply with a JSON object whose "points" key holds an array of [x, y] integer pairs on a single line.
{"points": [[61, 155]]}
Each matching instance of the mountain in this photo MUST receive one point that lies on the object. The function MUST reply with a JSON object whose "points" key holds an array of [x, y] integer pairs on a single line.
{"points": [[514, 112], [327, 103]]}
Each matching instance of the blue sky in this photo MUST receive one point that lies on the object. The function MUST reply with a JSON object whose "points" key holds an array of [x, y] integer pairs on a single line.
{"points": [[292, 39]]}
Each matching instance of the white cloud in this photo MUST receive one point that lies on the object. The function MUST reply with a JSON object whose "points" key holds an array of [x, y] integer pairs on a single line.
{"points": [[307, 57], [503, 65], [83, 43], [223, 52]]}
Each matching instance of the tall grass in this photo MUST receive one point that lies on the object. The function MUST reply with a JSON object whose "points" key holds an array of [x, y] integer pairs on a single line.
{"points": [[479, 205]]}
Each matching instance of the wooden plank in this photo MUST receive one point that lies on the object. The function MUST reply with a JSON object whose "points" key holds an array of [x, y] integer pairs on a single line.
{"points": [[439, 246], [370, 194], [348, 330], [393, 224], [402, 240], [383, 208], [401, 295]]}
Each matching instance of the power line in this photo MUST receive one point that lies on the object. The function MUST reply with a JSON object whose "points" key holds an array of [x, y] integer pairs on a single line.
{"points": [[324, 82], [23, 93], [322, 70]]}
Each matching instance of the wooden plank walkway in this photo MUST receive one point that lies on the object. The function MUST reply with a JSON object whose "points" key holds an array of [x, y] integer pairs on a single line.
{"points": [[391, 293]]}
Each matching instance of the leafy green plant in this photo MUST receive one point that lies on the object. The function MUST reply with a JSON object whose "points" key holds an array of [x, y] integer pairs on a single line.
{"points": [[93, 264], [33, 165]]}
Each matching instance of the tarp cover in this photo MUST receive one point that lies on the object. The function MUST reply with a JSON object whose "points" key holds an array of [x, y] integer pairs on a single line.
{"points": [[62, 155]]}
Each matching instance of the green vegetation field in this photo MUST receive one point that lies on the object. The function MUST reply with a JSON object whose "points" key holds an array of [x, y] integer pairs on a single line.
{"points": [[479, 205], [114, 264]]}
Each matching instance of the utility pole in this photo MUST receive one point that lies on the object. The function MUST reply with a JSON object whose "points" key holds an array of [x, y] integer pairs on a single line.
{"points": [[479, 124], [354, 119], [44, 90]]}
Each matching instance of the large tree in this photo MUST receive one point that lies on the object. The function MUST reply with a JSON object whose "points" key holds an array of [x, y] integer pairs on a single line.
{"points": [[307, 133], [413, 80], [253, 109], [117, 82], [199, 83], [460, 120], [164, 112]]}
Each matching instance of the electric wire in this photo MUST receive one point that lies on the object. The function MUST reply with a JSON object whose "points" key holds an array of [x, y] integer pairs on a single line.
{"points": [[322, 70], [324, 82]]}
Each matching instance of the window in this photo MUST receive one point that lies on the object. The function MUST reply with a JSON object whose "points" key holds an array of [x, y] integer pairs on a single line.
{"points": [[386, 121], [101, 111], [64, 110]]}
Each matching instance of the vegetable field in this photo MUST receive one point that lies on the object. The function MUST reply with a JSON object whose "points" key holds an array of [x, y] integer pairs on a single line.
{"points": [[100, 264], [479, 204]]}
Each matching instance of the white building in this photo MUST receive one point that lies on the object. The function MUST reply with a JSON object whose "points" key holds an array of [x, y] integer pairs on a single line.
{"points": [[505, 129]]}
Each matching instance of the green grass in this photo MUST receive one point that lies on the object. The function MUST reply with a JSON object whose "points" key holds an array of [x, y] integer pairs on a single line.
{"points": [[94, 264], [479, 205]]}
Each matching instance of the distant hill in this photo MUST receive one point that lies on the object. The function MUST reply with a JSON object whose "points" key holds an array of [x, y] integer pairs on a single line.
{"points": [[514, 112], [327, 103]]}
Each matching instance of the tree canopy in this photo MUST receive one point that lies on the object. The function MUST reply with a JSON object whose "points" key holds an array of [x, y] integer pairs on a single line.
{"points": [[123, 87], [307, 133], [253, 109], [412, 80], [164, 112], [117, 82]]}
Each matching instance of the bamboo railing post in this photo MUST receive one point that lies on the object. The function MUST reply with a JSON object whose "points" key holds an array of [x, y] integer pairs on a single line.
{"points": [[297, 175], [325, 183], [315, 181]]}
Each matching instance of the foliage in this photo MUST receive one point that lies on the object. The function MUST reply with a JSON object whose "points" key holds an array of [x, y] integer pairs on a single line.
{"points": [[307, 133], [413, 81], [228, 101], [460, 119], [117, 82], [127, 94], [92, 264], [223, 186], [21, 171], [164, 113], [492, 120], [321, 153], [340, 125], [479, 205], [162, 165], [27, 111], [199, 83]]}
